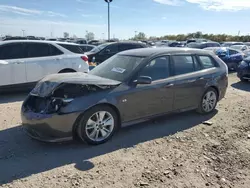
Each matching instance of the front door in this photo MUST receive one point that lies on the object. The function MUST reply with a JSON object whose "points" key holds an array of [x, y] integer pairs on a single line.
{"points": [[12, 65], [142, 101]]}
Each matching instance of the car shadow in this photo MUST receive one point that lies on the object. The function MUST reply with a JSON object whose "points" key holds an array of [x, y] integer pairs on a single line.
{"points": [[245, 86], [12, 97], [21, 156]]}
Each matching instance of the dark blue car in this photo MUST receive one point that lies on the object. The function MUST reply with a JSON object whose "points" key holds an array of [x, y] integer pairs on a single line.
{"points": [[243, 71], [231, 57]]}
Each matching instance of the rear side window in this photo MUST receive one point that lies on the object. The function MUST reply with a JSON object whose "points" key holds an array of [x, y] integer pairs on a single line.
{"points": [[184, 64], [37, 49], [207, 62], [55, 51], [11, 51], [73, 48]]}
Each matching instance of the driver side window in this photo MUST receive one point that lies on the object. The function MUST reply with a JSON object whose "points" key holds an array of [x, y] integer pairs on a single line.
{"points": [[157, 69]]}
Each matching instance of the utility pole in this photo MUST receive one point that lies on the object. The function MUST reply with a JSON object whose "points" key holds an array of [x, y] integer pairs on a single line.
{"points": [[23, 32], [135, 34], [108, 1]]}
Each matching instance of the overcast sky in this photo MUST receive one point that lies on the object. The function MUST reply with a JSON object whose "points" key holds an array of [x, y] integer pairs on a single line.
{"points": [[153, 17]]}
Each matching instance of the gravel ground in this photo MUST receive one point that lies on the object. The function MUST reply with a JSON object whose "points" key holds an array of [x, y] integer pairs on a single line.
{"points": [[177, 151]]}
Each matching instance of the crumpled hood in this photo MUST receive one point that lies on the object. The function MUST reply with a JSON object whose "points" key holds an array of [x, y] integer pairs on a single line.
{"points": [[48, 84]]}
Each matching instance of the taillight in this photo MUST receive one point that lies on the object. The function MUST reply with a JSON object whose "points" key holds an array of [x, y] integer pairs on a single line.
{"points": [[85, 58]]}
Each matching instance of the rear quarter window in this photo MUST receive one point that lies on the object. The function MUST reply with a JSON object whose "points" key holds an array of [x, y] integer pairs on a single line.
{"points": [[207, 62]]}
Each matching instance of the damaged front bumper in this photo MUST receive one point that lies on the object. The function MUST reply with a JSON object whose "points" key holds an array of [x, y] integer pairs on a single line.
{"points": [[48, 127]]}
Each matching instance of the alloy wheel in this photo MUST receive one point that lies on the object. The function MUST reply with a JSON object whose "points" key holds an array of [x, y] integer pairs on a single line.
{"points": [[99, 126], [209, 101]]}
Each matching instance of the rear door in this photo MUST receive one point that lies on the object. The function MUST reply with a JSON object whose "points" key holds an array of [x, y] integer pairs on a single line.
{"points": [[41, 61], [12, 64], [189, 82]]}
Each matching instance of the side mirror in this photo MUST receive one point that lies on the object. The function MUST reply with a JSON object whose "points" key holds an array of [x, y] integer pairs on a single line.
{"points": [[143, 80]]}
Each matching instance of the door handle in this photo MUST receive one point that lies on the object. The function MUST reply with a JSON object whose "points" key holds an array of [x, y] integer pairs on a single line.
{"points": [[169, 85], [18, 62]]}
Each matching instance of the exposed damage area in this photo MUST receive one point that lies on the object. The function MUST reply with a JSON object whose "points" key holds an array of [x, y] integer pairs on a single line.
{"points": [[51, 94], [60, 97]]}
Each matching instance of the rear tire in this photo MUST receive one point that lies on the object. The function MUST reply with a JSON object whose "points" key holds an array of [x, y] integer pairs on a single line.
{"points": [[97, 125], [208, 101]]}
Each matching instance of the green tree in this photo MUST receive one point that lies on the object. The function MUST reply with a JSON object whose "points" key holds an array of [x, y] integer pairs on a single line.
{"points": [[90, 36], [140, 36]]}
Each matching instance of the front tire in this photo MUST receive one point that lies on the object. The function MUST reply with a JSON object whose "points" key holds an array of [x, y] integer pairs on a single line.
{"points": [[208, 101], [97, 125], [243, 80]]}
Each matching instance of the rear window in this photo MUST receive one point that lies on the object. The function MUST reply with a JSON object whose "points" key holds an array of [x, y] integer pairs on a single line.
{"points": [[73, 48]]}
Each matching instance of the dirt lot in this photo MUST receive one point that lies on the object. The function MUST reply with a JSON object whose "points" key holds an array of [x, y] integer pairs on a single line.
{"points": [[174, 152]]}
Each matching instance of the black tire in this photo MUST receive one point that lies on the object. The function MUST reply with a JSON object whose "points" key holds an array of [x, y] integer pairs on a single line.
{"points": [[81, 128], [200, 109], [243, 80]]}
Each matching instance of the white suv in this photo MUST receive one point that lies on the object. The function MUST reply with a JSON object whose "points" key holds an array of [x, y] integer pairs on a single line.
{"points": [[27, 61]]}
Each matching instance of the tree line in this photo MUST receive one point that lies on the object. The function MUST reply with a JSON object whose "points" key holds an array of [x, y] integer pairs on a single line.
{"points": [[198, 34]]}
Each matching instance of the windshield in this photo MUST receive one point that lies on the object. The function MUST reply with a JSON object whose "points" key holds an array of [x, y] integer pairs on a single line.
{"points": [[99, 48], [118, 67]]}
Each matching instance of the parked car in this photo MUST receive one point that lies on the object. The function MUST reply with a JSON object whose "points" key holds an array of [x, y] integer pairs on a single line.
{"points": [[94, 42], [75, 48], [231, 57], [202, 45], [176, 44], [51, 39], [229, 44], [86, 47], [130, 87], [240, 47], [243, 71], [107, 50], [247, 43], [80, 41], [14, 38], [196, 40], [24, 62]]}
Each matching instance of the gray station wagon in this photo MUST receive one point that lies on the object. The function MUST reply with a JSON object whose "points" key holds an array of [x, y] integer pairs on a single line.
{"points": [[130, 87]]}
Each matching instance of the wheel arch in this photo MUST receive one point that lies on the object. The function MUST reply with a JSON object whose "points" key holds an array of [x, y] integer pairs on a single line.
{"points": [[67, 70], [216, 89]]}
